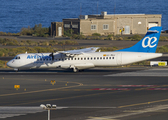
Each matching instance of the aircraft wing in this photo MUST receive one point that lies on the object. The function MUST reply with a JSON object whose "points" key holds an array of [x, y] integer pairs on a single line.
{"points": [[79, 51]]}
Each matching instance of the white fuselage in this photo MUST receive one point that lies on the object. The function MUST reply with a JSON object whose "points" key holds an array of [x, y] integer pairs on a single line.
{"points": [[83, 61]]}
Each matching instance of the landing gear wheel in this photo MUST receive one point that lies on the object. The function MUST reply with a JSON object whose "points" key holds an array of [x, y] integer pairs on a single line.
{"points": [[16, 70], [75, 69]]}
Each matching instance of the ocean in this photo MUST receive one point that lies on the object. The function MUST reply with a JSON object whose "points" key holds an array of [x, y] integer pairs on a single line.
{"points": [[15, 14]]}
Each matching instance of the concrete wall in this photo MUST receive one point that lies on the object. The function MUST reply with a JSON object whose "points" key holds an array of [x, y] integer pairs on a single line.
{"points": [[132, 23], [85, 26], [138, 23], [139, 26], [54, 28]]}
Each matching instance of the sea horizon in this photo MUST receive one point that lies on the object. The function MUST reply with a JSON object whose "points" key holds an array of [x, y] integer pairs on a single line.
{"points": [[18, 14]]}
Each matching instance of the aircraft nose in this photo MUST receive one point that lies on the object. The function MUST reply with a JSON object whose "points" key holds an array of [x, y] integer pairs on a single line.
{"points": [[9, 64]]}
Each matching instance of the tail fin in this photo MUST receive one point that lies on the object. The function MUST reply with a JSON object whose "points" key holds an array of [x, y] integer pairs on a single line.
{"points": [[148, 43]]}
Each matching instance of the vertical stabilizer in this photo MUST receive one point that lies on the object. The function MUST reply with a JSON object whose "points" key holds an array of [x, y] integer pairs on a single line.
{"points": [[148, 43]]}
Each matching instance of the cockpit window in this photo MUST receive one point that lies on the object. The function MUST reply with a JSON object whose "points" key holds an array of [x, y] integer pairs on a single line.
{"points": [[17, 57]]}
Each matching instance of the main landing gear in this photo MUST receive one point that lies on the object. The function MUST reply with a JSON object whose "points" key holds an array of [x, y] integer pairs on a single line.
{"points": [[75, 69]]}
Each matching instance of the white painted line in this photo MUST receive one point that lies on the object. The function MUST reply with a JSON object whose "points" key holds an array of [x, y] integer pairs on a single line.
{"points": [[146, 73], [130, 113], [6, 112], [29, 72], [91, 107]]}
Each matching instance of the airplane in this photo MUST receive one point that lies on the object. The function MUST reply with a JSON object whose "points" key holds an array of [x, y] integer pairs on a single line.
{"points": [[88, 58]]}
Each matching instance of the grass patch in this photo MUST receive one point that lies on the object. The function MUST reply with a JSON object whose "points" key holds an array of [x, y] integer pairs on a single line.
{"points": [[37, 30], [134, 37], [13, 42], [3, 64]]}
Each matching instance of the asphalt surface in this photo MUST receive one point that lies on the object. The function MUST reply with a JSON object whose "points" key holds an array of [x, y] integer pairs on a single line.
{"points": [[94, 94]]}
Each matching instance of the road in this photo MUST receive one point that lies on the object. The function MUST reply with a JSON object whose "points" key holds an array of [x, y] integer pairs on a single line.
{"points": [[95, 94]]}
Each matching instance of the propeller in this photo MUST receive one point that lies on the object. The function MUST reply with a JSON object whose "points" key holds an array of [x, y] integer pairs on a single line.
{"points": [[52, 55]]}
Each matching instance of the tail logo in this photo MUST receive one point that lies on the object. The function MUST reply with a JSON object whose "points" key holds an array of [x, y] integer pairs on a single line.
{"points": [[149, 43]]}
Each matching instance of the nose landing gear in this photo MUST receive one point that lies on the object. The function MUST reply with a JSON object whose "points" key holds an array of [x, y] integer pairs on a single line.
{"points": [[16, 69]]}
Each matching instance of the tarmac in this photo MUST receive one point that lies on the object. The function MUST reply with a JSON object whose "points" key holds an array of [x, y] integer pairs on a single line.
{"points": [[94, 94]]}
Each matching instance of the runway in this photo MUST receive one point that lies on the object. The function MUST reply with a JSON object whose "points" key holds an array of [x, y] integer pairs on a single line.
{"points": [[94, 94]]}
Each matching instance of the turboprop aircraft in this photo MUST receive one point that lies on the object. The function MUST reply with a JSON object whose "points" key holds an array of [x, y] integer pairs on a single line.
{"points": [[89, 58]]}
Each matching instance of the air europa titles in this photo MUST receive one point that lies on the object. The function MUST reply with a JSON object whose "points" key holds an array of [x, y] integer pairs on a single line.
{"points": [[37, 57]]}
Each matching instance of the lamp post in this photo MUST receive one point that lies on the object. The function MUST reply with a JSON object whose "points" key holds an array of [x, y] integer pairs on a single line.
{"points": [[48, 107]]}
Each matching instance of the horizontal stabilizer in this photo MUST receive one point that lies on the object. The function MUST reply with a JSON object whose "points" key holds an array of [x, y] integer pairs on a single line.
{"points": [[153, 31]]}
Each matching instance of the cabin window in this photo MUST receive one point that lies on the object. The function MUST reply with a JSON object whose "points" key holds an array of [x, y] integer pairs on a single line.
{"points": [[113, 57], [94, 58], [84, 58], [97, 58], [78, 58], [74, 58], [88, 58], [109, 57], [100, 57], [106, 57], [69, 58], [91, 58], [81, 58], [103, 57]]}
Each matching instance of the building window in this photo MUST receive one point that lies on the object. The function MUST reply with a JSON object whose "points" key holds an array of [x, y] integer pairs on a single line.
{"points": [[105, 27], [75, 26], [93, 27], [67, 25]]}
